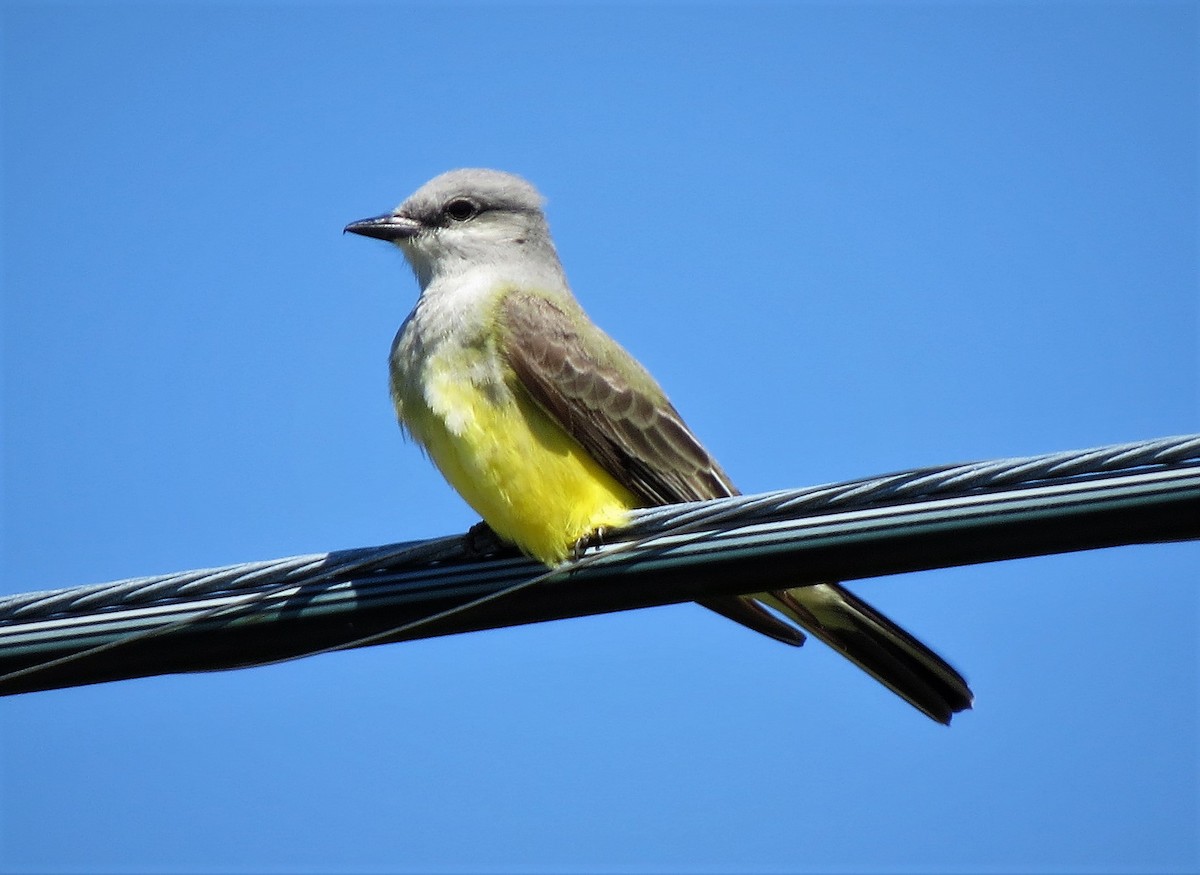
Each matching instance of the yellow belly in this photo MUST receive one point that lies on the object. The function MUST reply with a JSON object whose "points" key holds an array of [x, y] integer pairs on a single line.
{"points": [[528, 479]]}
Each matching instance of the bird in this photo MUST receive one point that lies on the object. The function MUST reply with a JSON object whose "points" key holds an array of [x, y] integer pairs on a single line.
{"points": [[553, 432]]}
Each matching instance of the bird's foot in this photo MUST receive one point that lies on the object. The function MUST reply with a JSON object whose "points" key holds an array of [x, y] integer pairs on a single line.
{"points": [[591, 539]]}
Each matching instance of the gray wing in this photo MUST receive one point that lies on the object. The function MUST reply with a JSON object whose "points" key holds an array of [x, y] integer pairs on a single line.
{"points": [[618, 413], [608, 402]]}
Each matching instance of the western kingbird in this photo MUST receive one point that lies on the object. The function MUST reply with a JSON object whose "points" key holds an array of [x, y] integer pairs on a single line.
{"points": [[551, 431]]}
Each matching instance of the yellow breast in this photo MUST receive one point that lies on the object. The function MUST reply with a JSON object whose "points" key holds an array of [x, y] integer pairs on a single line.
{"points": [[528, 479]]}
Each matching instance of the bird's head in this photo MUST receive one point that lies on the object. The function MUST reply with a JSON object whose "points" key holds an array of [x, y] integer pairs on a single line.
{"points": [[465, 219]]}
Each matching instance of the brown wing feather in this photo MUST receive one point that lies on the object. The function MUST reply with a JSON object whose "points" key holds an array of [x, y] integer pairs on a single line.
{"points": [[614, 408], [606, 401]]}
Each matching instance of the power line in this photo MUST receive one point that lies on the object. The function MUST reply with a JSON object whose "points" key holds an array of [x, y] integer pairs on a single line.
{"points": [[263, 612]]}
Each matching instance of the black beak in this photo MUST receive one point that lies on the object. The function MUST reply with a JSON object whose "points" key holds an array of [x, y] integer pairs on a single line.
{"points": [[386, 227]]}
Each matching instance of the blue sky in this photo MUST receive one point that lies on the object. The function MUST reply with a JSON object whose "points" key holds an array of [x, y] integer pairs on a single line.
{"points": [[848, 239]]}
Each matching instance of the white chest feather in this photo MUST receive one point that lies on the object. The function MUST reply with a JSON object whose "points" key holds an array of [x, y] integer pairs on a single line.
{"points": [[445, 357]]}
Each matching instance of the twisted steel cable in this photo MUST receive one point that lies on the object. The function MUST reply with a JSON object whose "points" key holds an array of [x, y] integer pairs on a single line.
{"points": [[404, 587]]}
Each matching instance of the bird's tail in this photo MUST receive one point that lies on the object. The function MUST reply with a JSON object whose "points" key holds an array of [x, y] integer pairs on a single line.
{"points": [[860, 633]]}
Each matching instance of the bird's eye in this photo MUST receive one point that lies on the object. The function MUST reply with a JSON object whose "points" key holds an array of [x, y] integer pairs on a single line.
{"points": [[461, 209]]}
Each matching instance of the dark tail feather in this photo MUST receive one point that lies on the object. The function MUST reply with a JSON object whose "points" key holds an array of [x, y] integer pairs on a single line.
{"points": [[752, 615], [879, 647], [864, 636]]}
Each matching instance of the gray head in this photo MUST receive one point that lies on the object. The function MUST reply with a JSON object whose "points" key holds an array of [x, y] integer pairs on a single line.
{"points": [[466, 219]]}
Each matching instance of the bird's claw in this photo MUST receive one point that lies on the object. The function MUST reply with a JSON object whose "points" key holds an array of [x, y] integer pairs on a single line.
{"points": [[591, 539]]}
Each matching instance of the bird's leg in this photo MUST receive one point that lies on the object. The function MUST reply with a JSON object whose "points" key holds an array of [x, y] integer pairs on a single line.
{"points": [[591, 539]]}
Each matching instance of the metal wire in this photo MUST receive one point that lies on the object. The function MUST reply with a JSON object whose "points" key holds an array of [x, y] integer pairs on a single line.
{"points": [[939, 481], [262, 612], [252, 578]]}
